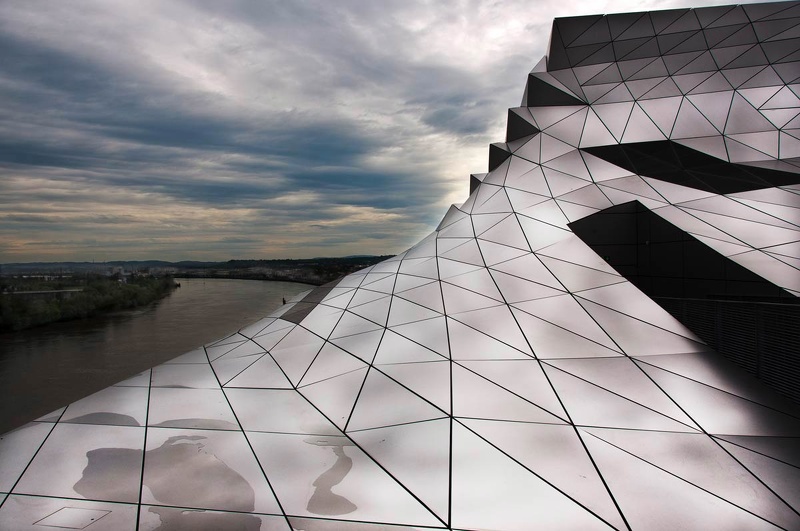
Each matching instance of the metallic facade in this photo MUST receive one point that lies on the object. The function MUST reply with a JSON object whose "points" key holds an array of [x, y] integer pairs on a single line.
{"points": [[500, 374]]}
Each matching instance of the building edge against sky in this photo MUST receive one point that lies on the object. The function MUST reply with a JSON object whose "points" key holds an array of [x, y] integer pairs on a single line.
{"points": [[513, 370]]}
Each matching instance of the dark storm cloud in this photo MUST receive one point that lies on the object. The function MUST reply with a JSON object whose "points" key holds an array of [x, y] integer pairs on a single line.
{"points": [[204, 128], [102, 103]]}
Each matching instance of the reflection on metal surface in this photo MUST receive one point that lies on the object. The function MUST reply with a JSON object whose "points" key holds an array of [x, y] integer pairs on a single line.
{"points": [[197, 520], [324, 501]]}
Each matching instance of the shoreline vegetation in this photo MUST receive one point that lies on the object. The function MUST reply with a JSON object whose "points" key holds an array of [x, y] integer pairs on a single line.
{"points": [[316, 271], [31, 302], [35, 294]]}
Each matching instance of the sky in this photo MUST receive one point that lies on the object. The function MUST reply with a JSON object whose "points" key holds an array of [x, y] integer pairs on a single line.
{"points": [[237, 129]]}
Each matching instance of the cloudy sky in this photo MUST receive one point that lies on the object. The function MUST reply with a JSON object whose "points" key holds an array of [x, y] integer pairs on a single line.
{"points": [[210, 130]]}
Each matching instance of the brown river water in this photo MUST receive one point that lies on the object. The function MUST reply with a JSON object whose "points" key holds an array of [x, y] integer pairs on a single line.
{"points": [[45, 368]]}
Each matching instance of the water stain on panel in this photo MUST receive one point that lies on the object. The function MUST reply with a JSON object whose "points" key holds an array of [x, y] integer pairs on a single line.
{"points": [[324, 501], [111, 474], [105, 418], [183, 472], [179, 472]]}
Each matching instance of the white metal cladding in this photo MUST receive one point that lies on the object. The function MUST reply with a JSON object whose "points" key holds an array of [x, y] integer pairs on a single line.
{"points": [[499, 374]]}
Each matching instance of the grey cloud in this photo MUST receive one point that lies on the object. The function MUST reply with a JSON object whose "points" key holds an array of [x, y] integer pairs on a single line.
{"points": [[227, 112]]}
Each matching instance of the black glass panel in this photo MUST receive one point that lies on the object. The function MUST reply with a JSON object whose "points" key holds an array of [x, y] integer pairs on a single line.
{"points": [[668, 161], [498, 153], [541, 94], [664, 261], [474, 182], [745, 318], [518, 127]]}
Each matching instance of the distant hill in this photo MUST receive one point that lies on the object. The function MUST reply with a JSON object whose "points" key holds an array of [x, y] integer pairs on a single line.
{"points": [[26, 267], [310, 270]]}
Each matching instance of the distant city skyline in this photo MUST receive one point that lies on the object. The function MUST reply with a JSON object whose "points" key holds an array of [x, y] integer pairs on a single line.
{"points": [[211, 131]]}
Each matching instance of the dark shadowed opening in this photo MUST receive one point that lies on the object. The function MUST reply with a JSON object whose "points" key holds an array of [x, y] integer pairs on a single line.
{"points": [[744, 317], [672, 162]]}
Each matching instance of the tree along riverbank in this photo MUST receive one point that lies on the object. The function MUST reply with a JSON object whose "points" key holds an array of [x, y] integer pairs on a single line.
{"points": [[26, 303]]}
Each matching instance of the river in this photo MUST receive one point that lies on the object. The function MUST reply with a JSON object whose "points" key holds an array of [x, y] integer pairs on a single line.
{"points": [[45, 368]]}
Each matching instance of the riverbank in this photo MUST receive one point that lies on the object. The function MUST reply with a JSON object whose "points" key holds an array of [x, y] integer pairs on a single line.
{"points": [[22, 307], [316, 271]]}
